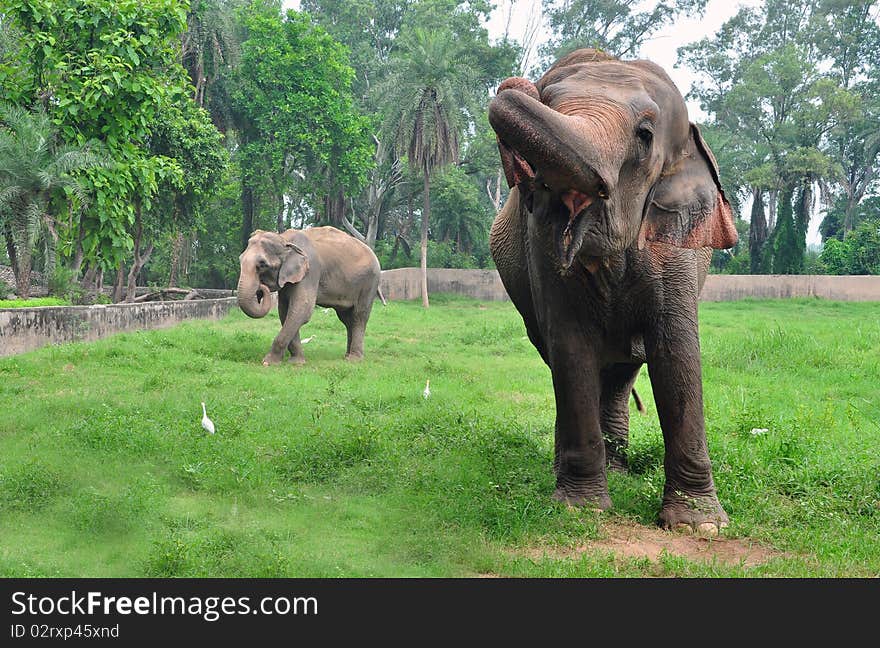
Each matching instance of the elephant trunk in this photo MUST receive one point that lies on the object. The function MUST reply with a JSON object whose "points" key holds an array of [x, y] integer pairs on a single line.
{"points": [[563, 149], [254, 298]]}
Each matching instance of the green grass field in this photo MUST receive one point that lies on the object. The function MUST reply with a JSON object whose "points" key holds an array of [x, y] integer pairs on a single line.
{"points": [[339, 469], [33, 302]]}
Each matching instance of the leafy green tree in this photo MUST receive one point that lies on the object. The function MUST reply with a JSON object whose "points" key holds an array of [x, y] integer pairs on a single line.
{"points": [[208, 46], [103, 70], [765, 81], [431, 98], [185, 134], [298, 125], [858, 253], [370, 29], [850, 40], [835, 256], [460, 212], [35, 167], [619, 27]]}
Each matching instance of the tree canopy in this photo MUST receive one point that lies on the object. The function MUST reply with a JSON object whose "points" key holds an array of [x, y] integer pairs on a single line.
{"points": [[172, 129]]}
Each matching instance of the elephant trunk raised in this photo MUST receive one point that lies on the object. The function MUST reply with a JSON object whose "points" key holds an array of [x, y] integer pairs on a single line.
{"points": [[254, 298], [563, 149]]}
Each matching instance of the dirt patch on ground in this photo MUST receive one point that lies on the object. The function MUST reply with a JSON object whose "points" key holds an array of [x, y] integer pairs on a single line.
{"points": [[635, 541]]}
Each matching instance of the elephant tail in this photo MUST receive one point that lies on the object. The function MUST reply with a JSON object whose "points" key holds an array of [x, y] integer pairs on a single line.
{"points": [[381, 296], [639, 404]]}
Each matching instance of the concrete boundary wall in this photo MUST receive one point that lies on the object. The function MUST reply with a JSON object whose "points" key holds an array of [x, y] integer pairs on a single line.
{"points": [[25, 329], [405, 283], [843, 287]]}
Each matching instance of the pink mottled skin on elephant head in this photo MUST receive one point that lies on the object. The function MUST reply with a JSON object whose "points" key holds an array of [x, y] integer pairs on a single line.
{"points": [[602, 152]]}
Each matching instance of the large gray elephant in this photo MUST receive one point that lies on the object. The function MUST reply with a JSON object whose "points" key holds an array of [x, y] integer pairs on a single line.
{"points": [[603, 246], [319, 265]]}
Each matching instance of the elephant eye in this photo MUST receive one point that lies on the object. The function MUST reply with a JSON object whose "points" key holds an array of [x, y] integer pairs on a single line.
{"points": [[645, 134]]}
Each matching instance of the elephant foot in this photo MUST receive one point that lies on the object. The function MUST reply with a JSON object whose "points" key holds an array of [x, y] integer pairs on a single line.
{"points": [[615, 454], [700, 515], [618, 464], [297, 360], [354, 357], [581, 495], [271, 359]]}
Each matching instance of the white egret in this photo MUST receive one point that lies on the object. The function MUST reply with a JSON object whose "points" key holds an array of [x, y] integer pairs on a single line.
{"points": [[207, 423]]}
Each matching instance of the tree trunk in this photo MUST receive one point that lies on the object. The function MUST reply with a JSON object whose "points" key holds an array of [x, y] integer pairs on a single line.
{"points": [[334, 210], [88, 280], [23, 276], [138, 263], [757, 231], [247, 212], [805, 208], [851, 205], [10, 250], [279, 226], [119, 283], [52, 248], [496, 198], [78, 254], [788, 254], [176, 246], [140, 259], [372, 228], [773, 206], [426, 215]]}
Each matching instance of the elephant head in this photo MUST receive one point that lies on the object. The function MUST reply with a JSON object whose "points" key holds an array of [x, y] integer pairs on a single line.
{"points": [[602, 152], [268, 263]]}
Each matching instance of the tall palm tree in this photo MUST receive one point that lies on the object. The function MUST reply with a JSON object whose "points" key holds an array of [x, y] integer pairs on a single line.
{"points": [[33, 166], [210, 44], [430, 96]]}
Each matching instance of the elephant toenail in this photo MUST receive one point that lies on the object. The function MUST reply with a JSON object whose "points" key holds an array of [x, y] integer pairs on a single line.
{"points": [[682, 527], [707, 530]]}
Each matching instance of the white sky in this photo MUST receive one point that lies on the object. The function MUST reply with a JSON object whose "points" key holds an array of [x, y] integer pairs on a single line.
{"points": [[661, 49]]}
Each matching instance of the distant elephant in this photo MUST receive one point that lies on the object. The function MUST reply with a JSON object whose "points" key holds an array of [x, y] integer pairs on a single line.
{"points": [[319, 265], [603, 247]]}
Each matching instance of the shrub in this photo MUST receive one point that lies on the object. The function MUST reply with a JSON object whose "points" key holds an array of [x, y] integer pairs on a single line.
{"points": [[62, 283]]}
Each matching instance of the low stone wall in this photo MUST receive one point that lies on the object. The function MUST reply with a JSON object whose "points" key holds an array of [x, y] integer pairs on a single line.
{"points": [[844, 288], [406, 283], [25, 329]]}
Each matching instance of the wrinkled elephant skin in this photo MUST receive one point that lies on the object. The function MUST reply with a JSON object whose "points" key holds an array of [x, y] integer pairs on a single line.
{"points": [[603, 246]]}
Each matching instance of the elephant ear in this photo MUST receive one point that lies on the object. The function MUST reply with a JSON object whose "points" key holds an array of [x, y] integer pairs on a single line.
{"points": [[687, 207], [294, 266]]}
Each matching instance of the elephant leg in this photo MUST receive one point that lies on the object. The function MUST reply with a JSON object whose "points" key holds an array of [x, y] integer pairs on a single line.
{"points": [[300, 303], [295, 347], [355, 321], [580, 451], [690, 501], [296, 351], [617, 383]]}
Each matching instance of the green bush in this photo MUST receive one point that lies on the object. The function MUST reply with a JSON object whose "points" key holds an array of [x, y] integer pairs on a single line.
{"points": [[62, 283], [858, 253]]}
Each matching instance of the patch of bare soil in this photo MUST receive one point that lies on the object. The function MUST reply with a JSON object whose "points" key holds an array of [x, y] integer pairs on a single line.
{"points": [[635, 541]]}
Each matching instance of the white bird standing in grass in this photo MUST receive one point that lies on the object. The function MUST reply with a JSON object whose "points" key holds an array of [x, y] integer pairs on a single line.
{"points": [[427, 391], [308, 339], [207, 423]]}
